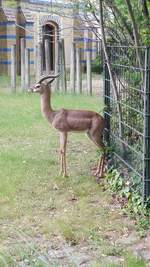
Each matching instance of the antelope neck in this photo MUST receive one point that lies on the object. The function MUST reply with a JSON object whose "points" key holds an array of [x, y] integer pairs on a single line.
{"points": [[46, 108]]}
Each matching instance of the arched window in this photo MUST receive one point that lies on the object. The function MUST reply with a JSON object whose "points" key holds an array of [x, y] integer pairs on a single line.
{"points": [[49, 31]]}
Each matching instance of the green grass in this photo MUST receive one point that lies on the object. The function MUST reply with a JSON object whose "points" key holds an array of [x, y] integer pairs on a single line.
{"points": [[5, 83], [39, 208]]}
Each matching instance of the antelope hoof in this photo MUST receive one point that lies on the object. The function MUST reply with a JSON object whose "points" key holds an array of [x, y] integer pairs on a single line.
{"points": [[99, 179], [96, 173], [99, 175], [65, 175], [60, 173]]}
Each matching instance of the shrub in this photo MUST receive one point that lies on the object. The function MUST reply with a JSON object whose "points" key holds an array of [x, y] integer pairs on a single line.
{"points": [[97, 65]]}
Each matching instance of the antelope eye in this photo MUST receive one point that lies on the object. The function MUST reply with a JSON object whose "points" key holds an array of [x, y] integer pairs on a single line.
{"points": [[37, 86]]}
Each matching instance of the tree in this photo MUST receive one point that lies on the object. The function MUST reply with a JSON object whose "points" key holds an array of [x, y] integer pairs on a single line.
{"points": [[128, 20], [103, 36]]}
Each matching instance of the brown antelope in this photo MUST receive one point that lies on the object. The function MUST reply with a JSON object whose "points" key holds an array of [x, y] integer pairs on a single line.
{"points": [[70, 120]]}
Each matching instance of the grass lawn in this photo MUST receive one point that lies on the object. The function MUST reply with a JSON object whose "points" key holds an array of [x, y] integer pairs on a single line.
{"points": [[45, 219]]}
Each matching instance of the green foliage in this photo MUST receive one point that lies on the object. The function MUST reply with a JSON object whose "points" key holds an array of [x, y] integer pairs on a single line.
{"points": [[133, 262], [134, 77], [145, 33], [140, 20], [115, 181], [130, 261], [11, 3], [97, 65], [130, 194]]}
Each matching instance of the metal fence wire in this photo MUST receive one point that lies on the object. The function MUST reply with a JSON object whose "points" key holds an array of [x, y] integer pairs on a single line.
{"points": [[132, 78]]}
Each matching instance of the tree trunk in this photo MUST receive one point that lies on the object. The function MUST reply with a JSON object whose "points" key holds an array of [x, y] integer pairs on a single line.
{"points": [[145, 11], [122, 18], [135, 33], [112, 78]]}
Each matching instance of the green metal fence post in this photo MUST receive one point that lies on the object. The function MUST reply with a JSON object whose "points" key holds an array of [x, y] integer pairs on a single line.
{"points": [[107, 103], [146, 167]]}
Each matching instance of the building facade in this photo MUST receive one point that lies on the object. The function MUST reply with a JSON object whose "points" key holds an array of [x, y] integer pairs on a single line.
{"points": [[37, 21]]}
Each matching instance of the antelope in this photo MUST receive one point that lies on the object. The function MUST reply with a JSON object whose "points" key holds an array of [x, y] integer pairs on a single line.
{"points": [[70, 120]]}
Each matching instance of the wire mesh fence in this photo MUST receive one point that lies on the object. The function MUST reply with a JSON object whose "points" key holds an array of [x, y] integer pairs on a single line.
{"points": [[132, 78]]}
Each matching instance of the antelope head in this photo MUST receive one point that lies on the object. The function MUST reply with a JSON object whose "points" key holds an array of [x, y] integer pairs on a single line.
{"points": [[42, 84]]}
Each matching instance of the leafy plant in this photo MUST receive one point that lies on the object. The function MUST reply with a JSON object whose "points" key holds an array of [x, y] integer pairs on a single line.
{"points": [[97, 66], [130, 192], [115, 181]]}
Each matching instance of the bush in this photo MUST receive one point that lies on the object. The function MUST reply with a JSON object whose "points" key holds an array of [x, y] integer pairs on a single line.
{"points": [[97, 65], [128, 193]]}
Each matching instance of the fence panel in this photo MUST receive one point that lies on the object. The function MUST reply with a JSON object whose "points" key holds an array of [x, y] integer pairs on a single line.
{"points": [[133, 85]]}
